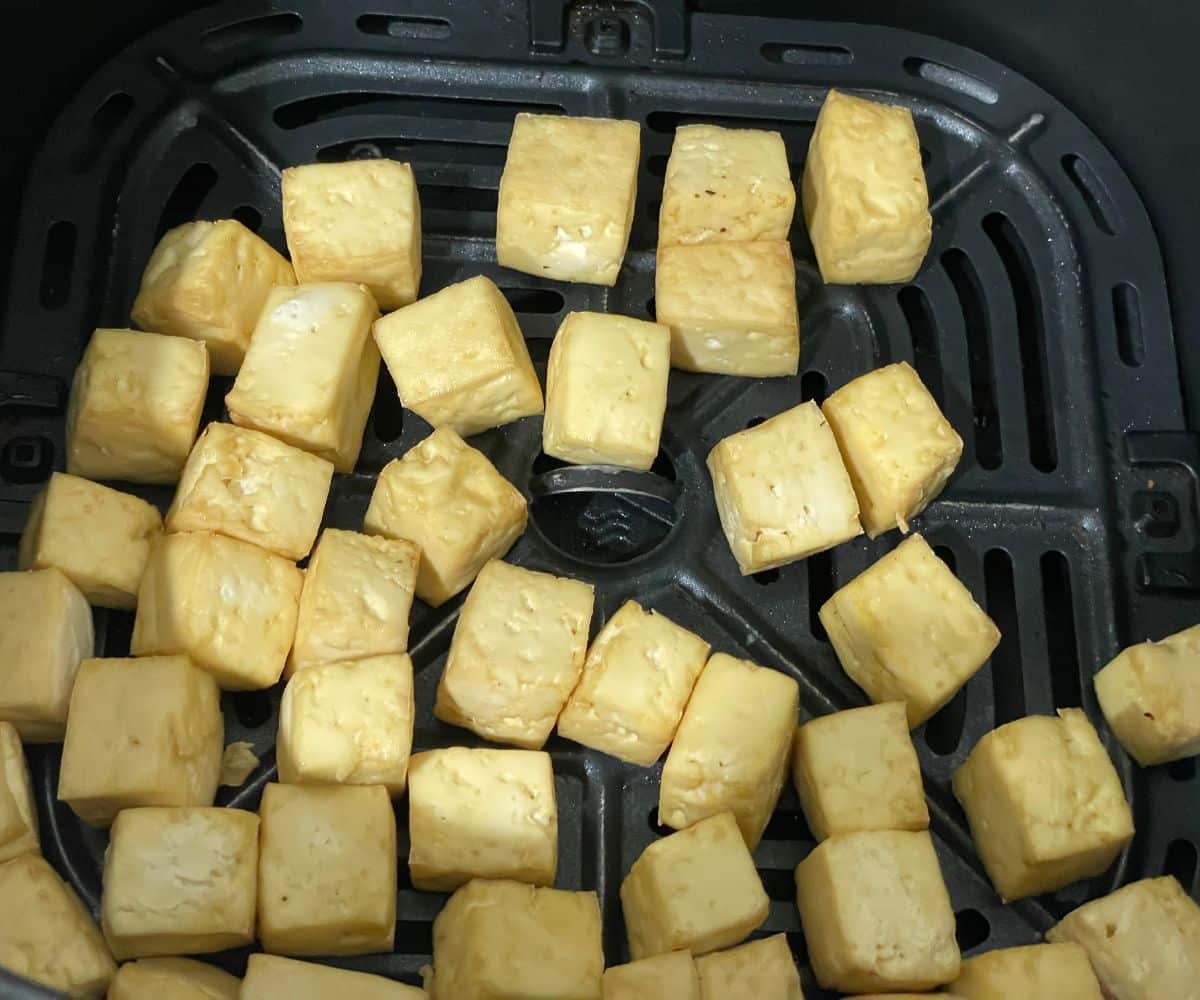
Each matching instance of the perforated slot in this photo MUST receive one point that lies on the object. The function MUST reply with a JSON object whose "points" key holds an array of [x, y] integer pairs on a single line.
{"points": [[807, 55], [183, 204], [387, 416], [951, 78], [404, 26], [1008, 683], [1181, 862], [780, 885], [766, 577], [104, 123], [787, 825], [414, 937], [535, 300], [406, 149], [922, 326], [943, 731], [309, 110], [248, 216], [1095, 195], [1127, 315], [58, 264], [252, 708], [1062, 649], [989, 450], [254, 29]]}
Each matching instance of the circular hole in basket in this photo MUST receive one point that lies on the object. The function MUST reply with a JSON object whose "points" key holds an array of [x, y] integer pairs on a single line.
{"points": [[971, 928]]}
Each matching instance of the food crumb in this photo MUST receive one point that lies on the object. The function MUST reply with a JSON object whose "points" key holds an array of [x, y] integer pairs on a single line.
{"points": [[237, 763]]}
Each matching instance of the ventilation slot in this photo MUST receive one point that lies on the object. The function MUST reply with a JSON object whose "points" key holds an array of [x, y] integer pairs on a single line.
{"points": [[310, 110], [1093, 192], [118, 633], [27, 459], [248, 216], [780, 885], [766, 577], [256, 29], [668, 121], [807, 55], [1058, 608], [790, 826], [545, 301], [989, 450], [104, 123], [184, 203], [58, 262], [453, 198], [412, 150], [915, 305], [387, 417], [252, 708], [820, 588], [813, 386], [1182, 770], [1127, 314], [1008, 683], [1181, 862], [402, 26], [952, 79], [414, 937], [660, 829], [656, 166], [971, 928], [943, 731]]}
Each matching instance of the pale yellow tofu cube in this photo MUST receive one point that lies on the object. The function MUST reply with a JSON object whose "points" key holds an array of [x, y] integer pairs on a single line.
{"points": [[732, 747], [327, 870], [637, 678], [567, 196], [45, 632], [858, 770], [509, 939], [47, 934], [142, 732], [782, 491], [100, 538], [358, 592], [1143, 940], [172, 979], [348, 723], [1061, 971], [864, 193], [876, 913], [672, 974], [310, 370], [135, 406], [726, 185], [906, 629], [18, 816], [228, 605], [731, 307], [760, 970], [516, 655], [247, 485], [179, 881], [208, 281], [459, 359], [269, 977], [1150, 696], [1045, 804], [356, 221], [696, 890], [454, 504]]}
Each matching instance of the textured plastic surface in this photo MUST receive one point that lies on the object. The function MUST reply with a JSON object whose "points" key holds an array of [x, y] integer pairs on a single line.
{"points": [[1039, 321]]}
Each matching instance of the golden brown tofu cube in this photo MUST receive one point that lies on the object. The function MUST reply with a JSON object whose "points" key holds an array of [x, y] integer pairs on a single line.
{"points": [[269, 977], [1039, 970], [18, 815], [760, 970], [172, 979], [672, 974]]}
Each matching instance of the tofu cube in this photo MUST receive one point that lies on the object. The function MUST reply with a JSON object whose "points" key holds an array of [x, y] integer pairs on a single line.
{"points": [[358, 592], [459, 359], [45, 632], [876, 914], [135, 406], [269, 977], [310, 370], [898, 447], [179, 881], [246, 485], [142, 732], [1150, 696], [18, 816], [53, 940], [732, 747], [516, 655], [509, 939], [696, 890], [606, 390], [358, 221], [99, 538], [672, 974], [453, 503], [731, 307], [348, 723], [906, 629], [1142, 940], [1038, 970], [172, 979], [228, 605], [761, 970], [726, 185], [1044, 802], [782, 491], [637, 678], [327, 870], [208, 281], [858, 770], [864, 193], [567, 196], [481, 814]]}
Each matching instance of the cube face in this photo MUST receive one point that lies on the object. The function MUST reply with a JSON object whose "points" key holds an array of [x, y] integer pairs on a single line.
{"points": [[300, 381], [246, 485], [18, 816], [782, 491], [269, 977], [135, 406], [726, 185], [906, 629], [898, 447], [606, 390], [637, 678], [142, 732], [732, 747], [516, 655], [45, 632], [459, 359], [670, 975], [327, 870], [172, 979], [482, 814], [731, 307], [357, 221], [696, 890], [208, 281], [348, 723], [98, 537], [865, 199], [858, 770], [876, 913], [228, 605], [1022, 788], [567, 196], [452, 502], [1060, 970], [760, 970], [180, 881]]}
